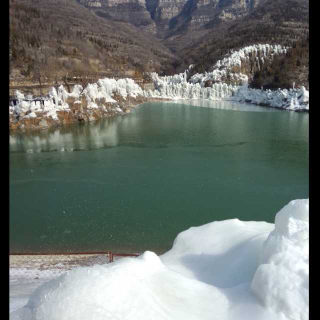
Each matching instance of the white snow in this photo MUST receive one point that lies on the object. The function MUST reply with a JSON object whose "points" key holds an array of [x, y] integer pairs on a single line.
{"points": [[282, 278], [292, 99], [177, 87], [93, 93], [224, 270], [235, 59]]}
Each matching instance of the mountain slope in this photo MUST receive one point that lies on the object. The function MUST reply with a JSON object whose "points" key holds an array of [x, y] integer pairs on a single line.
{"points": [[57, 37], [61, 36], [272, 22]]}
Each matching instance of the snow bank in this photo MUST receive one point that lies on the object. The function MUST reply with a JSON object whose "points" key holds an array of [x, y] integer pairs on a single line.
{"points": [[224, 254], [227, 270], [140, 288], [282, 279]]}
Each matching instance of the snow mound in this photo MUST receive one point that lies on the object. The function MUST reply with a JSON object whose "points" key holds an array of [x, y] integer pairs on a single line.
{"points": [[219, 271], [223, 254], [282, 279], [141, 288]]}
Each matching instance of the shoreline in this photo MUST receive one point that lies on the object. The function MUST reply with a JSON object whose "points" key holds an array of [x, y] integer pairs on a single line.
{"points": [[45, 123], [80, 116], [77, 114], [110, 97]]}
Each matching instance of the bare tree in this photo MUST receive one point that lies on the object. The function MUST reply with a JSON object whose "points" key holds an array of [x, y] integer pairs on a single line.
{"points": [[37, 76], [65, 81]]}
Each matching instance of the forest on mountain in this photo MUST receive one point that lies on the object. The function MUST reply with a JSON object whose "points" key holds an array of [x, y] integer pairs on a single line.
{"points": [[57, 37], [53, 38]]}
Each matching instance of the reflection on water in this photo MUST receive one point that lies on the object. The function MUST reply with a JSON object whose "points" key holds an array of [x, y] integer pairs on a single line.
{"points": [[161, 125], [226, 105], [76, 137]]}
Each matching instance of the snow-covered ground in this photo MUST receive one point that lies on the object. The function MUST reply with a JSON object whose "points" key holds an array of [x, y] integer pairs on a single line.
{"points": [[222, 270]]}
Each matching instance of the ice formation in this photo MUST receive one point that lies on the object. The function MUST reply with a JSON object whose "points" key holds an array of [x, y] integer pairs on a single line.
{"points": [[57, 99], [227, 270], [296, 99], [224, 67], [177, 87]]}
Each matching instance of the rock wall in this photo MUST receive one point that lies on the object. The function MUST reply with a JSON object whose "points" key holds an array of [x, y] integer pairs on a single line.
{"points": [[132, 11], [164, 17]]}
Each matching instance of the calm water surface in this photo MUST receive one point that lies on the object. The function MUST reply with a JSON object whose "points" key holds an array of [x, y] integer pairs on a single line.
{"points": [[134, 182]]}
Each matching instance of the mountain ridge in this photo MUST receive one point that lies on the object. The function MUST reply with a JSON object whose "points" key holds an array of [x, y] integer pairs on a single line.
{"points": [[148, 35]]}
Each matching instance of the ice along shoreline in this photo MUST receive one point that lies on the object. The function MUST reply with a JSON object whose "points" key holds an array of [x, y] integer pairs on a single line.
{"points": [[228, 80], [109, 97]]}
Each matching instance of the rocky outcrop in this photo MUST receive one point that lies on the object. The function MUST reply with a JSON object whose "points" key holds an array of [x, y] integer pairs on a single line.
{"points": [[78, 112], [132, 11], [165, 17]]}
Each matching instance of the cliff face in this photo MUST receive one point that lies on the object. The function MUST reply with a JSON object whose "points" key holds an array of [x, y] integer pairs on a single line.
{"points": [[132, 11], [53, 39], [271, 22], [166, 17], [198, 13]]}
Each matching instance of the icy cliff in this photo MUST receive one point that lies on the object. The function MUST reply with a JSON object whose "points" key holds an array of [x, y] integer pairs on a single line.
{"points": [[236, 66]]}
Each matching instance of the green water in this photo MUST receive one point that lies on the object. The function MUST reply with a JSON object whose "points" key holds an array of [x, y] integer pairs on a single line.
{"points": [[134, 182]]}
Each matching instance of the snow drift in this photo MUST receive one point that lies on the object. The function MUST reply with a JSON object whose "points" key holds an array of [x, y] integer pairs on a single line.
{"points": [[282, 279], [222, 270]]}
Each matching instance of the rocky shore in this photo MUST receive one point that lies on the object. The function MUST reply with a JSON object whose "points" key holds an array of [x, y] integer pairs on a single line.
{"points": [[78, 112], [106, 98]]}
